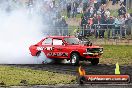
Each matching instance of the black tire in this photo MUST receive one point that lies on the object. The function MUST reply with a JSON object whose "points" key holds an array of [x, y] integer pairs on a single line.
{"points": [[95, 61], [42, 58], [74, 59], [57, 61]]}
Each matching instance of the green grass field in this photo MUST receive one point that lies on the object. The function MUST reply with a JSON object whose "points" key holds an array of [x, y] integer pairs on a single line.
{"points": [[13, 76], [117, 53]]}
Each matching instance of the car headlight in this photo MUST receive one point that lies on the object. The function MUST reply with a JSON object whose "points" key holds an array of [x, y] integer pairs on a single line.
{"points": [[101, 49]]}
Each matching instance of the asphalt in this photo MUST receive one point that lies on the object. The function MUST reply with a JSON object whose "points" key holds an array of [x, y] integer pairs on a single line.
{"points": [[77, 86]]}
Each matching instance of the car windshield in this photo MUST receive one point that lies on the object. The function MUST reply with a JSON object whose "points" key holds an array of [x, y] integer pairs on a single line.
{"points": [[73, 41]]}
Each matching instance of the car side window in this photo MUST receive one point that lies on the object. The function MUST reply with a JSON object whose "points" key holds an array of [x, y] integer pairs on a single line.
{"points": [[47, 41], [57, 42]]}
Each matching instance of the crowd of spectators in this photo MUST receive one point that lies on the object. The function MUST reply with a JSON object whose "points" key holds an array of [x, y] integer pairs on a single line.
{"points": [[94, 20], [52, 18], [97, 18]]}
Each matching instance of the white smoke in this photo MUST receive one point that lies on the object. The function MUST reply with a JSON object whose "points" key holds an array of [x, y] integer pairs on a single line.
{"points": [[18, 30]]}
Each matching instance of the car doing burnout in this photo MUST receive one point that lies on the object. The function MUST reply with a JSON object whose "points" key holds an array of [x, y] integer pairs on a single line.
{"points": [[67, 47]]}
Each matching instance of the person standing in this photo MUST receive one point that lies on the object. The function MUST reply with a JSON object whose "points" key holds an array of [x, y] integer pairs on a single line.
{"points": [[122, 10], [68, 10], [117, 26], [74, 9], [114, 2], [107, 13]]}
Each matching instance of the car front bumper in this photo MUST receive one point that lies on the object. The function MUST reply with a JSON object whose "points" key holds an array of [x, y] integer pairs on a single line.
{"points": [[92, 55]]}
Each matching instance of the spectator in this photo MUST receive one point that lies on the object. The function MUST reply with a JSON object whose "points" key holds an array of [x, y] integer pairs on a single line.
{"points": [[128, 23], [117, 26], [68, 10], [103, 2], [122, 10], [80, 8], [113, 2], [122, 2], [90, 22], [95, 25], [122, 27], [107, 13], [96, 5], [85, 4], [64, 26], [87, 13], [103, 21], [83, 25], [111, 26], [102, 11], [74, 9], [91, 10], [83, 22], [99, 3]]}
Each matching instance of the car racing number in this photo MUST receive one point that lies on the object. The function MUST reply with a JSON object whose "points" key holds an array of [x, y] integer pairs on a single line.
{"points": [[42, 48], [49, 48]]}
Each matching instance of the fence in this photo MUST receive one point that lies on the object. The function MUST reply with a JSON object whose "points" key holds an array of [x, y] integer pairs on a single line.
{"points": [[100, 31]]}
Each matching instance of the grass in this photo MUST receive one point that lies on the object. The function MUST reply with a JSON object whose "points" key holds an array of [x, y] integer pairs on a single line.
{"points": [[13, 76], [117, 53], [129, 10]]}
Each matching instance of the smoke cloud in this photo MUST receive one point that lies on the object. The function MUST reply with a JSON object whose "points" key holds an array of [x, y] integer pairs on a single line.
{"points": [[20, 27]]}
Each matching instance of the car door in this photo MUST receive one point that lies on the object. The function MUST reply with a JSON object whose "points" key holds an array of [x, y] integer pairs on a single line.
{"points": [[59, 48], [47, 47]]}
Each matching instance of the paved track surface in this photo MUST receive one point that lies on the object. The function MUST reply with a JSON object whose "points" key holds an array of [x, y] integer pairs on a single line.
{"points": [[78, 86], [68, 69]]}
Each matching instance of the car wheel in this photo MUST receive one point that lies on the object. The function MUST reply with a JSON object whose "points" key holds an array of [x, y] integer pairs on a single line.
{"points": [[57, 61], [42, 58], [75, 59], [95, 61]]}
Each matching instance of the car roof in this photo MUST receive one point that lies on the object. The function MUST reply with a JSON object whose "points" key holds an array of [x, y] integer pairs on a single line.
{"points": [[61, 37]]}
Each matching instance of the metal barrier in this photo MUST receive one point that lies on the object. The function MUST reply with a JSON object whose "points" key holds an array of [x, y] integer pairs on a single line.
{"points": [[110, 30], [100, 30]]}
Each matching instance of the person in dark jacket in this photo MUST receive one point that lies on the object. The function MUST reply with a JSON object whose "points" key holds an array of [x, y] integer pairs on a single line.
{"points": [[102, 11], [95, 25], [68, 10], [64, 26], [83, 25], [128, 23], [74, 9], [122, 10], [103, 2], [114, 2], [103, 21], [111, 26]]}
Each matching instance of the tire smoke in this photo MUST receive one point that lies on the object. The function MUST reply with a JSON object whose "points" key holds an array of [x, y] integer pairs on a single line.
{"points": [[20, 27]]}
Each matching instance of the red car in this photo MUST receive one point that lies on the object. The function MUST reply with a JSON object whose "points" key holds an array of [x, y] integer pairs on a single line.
{"points": [[67, 47]]}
